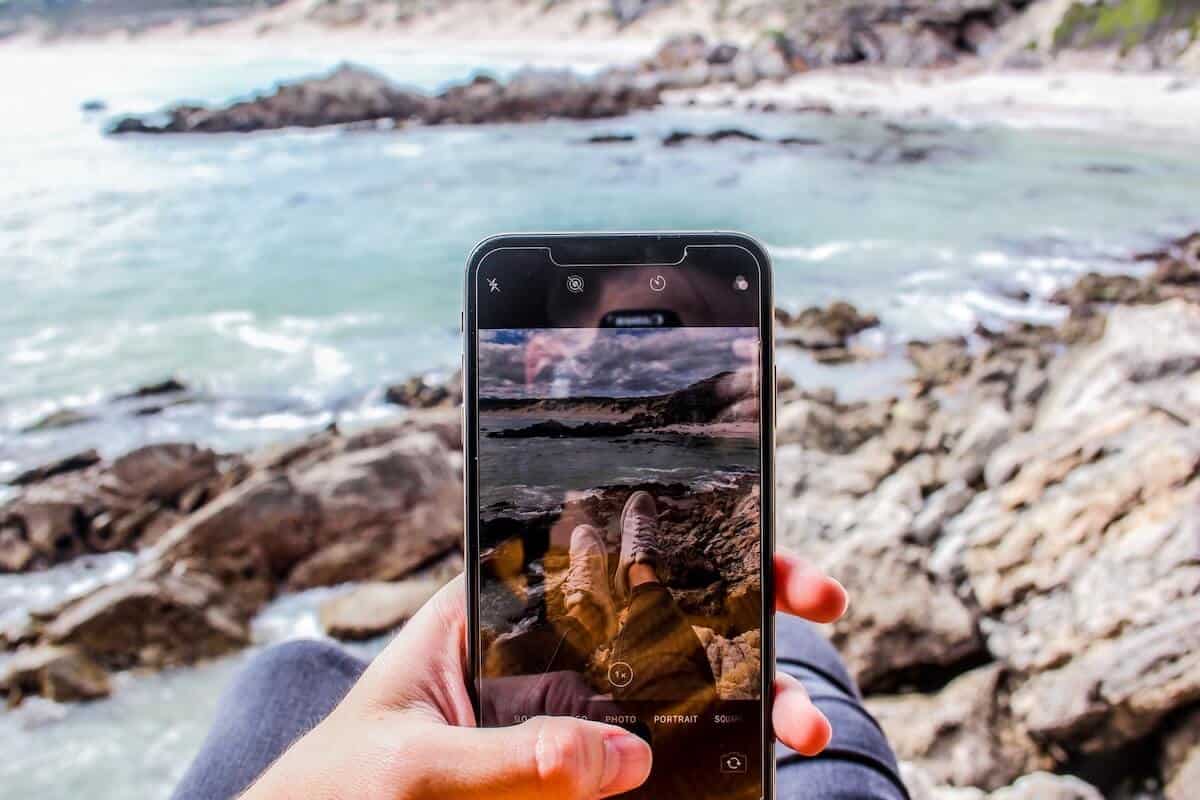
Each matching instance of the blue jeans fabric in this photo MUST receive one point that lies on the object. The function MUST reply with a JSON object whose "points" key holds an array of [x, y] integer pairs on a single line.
{"points": [[286, 690]]}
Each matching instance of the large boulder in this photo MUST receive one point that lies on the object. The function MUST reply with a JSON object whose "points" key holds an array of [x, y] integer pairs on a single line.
{"points": [[63, 674], [356, 508], [902, 620], [330, 509], [1034, 786], [962, 735], [1081, 554], [158, 622], [376, 607], [84, 505], [346, 95]]}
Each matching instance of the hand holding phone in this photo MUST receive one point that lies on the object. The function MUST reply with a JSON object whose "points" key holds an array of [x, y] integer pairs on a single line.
{"points": [[407, 728]]}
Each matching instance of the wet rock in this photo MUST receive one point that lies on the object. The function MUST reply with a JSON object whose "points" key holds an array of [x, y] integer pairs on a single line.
{"points": [[352, 94], [823, 423], [348, 94], [164, 621], [57, 420], [61, 466], [799, 141], [675, 138], [167, 386], [818, 328], [941, 361], [611, 138], [416, 392], [722, 53], [1095, 287], [62, 674], [962, 735], [1180, 760]]}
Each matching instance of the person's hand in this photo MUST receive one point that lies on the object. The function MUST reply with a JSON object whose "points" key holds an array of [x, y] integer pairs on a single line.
{"points": [[406, 728]]}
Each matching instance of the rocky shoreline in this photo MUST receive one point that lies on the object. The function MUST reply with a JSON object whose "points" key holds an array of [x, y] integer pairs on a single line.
{"points": [[353, 95], [1018, 532]]}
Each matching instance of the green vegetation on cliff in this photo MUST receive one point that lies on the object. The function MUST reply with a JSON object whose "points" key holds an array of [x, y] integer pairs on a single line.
{"points": [[1126, 23]]}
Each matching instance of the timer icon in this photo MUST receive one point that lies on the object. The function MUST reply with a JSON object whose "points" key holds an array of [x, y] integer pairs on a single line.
{"points": [[658, 283]]}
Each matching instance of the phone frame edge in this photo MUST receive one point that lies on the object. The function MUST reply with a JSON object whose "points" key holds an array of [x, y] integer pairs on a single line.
{"points": [[767, 410]]}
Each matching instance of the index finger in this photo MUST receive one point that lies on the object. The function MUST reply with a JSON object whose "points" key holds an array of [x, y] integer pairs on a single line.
{"points": [[805, 591]]}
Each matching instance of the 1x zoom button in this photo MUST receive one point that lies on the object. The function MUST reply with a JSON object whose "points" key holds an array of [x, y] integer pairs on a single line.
{"points": [[620, 674]]}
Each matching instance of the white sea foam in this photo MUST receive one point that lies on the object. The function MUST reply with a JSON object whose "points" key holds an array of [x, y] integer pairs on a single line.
{"points": [[404, 150], [825, 251]]}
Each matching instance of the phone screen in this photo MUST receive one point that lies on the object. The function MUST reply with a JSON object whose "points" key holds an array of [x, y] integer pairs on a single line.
{"points": [[616, 491]]}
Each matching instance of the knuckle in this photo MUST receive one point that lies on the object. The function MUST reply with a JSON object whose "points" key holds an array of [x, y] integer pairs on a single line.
{"points": [[562, 757]]}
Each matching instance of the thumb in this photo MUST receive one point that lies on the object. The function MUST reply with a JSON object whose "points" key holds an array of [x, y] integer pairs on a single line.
{"points": [[559, 757]]}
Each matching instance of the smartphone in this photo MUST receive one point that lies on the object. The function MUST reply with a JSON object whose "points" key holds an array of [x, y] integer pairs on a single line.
{"points": [[618, 425]]}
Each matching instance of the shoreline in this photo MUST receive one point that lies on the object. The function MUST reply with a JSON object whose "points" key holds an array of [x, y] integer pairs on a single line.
{"points": [[1141, 104]]}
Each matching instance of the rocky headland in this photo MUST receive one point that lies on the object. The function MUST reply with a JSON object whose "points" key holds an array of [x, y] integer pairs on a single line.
{"points": [[1018, 532]]}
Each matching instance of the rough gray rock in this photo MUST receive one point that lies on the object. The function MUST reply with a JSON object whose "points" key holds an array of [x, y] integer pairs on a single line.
{"points": [[1083, 557], [962, 735], [885, 633], [1035, 786], [1180, 759]]}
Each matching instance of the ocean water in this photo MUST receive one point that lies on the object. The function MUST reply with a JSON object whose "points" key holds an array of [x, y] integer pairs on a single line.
{"points": [[290, 275]]}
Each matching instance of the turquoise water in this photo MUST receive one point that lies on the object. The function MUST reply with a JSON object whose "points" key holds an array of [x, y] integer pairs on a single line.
{"points": [[290, 275]]}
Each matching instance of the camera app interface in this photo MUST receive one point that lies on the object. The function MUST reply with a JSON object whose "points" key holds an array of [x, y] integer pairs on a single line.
{"points": [[619, 502]]}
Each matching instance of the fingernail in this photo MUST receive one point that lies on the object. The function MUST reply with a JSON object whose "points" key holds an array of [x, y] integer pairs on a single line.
{"points": [[626, 763]]}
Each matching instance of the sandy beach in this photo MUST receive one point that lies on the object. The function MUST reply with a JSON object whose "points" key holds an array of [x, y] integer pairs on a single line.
{"points": [[1147, 104]]}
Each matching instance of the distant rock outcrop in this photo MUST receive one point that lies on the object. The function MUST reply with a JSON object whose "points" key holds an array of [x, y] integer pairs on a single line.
{"points": [[352, 94]]}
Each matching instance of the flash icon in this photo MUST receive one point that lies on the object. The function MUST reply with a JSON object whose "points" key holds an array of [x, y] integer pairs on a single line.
{"points": [[493, 285]]}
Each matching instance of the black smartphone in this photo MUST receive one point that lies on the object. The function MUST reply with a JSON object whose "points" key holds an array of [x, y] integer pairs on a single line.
{"points": [[618, 411]]}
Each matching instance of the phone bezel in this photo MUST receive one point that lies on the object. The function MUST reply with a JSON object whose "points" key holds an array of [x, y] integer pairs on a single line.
{"points": [[651, 247]]}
